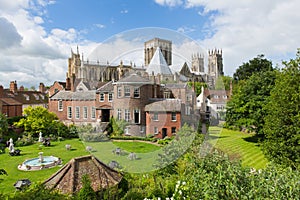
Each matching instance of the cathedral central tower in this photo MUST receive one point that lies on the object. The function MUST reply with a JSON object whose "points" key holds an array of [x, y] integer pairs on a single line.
{"points": [[151, 46]]}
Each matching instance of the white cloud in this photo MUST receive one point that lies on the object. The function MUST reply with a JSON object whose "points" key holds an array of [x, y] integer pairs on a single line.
{"points": [[9, 35], [29, 54], [100, 26], [185, 30], [170, 3], [244, 29], [124, 11]]}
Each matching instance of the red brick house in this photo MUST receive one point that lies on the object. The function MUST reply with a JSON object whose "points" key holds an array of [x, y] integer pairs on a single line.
{"points": [[133, 99], [14, 100], [163, 118]]}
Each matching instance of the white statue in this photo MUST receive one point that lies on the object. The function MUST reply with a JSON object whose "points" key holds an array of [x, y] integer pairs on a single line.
{"points": [[11, 147], [41, 139]]}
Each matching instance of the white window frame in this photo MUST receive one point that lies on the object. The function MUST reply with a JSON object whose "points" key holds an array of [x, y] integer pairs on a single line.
{"points": [[155, 130], [126, 91], [173, 114], [85, 112], [119, 114], [93, 112], [127, 115], [136, 92], [110, 97], [60, 105], [119, 91], [137, 111], [155, 116], [102, 97], [77, 112], [69, 112]]}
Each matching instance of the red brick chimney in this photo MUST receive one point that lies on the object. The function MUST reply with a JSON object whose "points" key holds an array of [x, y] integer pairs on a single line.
{"points": [[21, 89], [13, 86], [42, 88], [1, 91]]}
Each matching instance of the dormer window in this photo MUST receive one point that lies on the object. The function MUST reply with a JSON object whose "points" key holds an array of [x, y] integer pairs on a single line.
{"points": [[26, 97]]}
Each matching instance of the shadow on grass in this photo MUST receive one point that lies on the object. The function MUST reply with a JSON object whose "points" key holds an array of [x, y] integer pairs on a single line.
{"points": [[72, 149], [253, 139], [213, 137]]}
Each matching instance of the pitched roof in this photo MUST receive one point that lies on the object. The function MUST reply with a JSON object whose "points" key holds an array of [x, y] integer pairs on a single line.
{"points": [[166, 105], [10, 101], [77, 95], [68, 178], [133, 79], [27, 97], [108, 87], [158, 64]]}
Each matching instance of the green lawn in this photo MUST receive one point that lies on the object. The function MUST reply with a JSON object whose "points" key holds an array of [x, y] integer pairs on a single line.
{"points": [[10, 163], [238, 144], [147, 154], [137, 147]]}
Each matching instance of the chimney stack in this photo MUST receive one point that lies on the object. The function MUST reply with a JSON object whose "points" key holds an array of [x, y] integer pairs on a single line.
{"points": [[1, 91], [42, 88], [13, 86], [21, 89]]}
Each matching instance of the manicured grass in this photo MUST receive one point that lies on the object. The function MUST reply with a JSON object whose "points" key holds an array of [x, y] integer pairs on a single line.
{"points": [[10, 163], [137, 147], [147, 154], [240, 145]]}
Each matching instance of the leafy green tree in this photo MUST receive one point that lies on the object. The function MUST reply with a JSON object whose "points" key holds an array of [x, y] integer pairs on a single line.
{"points": [[258, 64], [38, 191], [117, 126], [282, 123], [246, 106], [37, 120], [223, 82], [198, 86], [3, 125]]}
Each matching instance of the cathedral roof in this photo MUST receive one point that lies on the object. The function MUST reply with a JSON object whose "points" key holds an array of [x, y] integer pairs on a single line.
{"points": [[158, 64]]}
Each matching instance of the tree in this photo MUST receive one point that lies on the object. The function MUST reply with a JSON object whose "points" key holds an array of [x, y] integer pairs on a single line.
{"points": [[258, 64], [282, 123], [3, 125], [246, 106], [37, 120], [223, 82], [198, 86]]}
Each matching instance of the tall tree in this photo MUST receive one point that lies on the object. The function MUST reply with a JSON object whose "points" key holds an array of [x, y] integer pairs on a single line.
{"points": [[246, 107], [258, 64], [282, 123]]}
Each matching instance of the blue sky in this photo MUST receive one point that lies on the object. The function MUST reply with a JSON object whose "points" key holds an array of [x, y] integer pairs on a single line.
{"points": [[36, 36], [102, 19]]}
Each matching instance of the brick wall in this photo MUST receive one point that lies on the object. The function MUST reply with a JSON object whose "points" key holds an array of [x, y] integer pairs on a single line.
{"points": [[164, 121]]}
